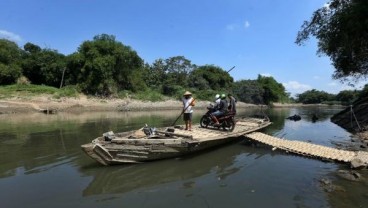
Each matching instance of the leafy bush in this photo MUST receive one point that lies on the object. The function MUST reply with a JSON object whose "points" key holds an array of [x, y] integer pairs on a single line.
{"points": [[173, 90], [9, 74], [68, 91], [205, 95]]}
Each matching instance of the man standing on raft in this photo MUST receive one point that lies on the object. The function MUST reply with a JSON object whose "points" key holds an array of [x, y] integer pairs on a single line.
{"points": [[188, 102]]}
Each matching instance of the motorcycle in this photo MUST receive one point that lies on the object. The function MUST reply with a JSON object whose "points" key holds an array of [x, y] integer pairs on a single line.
{"points": [[227, 121]]}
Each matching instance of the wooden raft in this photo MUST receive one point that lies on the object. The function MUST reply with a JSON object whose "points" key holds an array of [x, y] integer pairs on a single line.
{"points": [[308, 149]]}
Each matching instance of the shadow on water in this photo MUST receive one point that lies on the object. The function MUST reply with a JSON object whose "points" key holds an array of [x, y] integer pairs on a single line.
{"points": [[128, 178]]}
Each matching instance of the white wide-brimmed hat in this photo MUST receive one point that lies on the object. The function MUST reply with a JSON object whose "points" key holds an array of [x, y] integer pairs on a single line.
{"points": [[187, 93]]}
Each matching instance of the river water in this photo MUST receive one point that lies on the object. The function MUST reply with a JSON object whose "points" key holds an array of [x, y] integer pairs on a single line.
{"points": [[42, 165]]}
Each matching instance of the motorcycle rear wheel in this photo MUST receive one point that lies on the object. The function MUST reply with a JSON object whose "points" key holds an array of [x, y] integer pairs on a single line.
{"points": [[229, 125]]}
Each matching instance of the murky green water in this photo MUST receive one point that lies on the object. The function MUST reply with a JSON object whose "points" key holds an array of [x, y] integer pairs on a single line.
{"points": [[42, 165]]}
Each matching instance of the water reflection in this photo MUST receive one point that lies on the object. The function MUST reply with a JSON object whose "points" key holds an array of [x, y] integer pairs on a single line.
{"points": [[44, 151], [40, 139], [128, 178]]}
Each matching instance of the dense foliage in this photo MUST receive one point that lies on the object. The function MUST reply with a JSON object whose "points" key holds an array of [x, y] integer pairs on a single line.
{"points": [[42, 66], [105, 67], [315, 96], [169, 77], [346, 97], [364, 92], [10, 58], [249, 91], [341, 28], [273, 91]]}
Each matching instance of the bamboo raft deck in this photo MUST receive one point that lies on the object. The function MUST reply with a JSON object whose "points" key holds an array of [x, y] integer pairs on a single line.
{"points": [[138, 146], [311, 150], [207, 134]]}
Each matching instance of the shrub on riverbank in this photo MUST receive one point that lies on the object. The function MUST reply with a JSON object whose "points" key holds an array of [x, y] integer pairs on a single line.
{"points": [[26, 90]]}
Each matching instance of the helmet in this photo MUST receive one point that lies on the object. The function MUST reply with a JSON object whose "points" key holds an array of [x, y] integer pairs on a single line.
{"points": [[217, 96], [223, 96]]}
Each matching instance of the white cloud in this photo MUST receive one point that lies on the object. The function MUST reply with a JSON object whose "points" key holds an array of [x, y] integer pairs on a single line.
{"points": [[327, 5], [266, 75], [231, 27], [246, 24], [10, 36], [237, 26], [295, 87], [332, 84], [336, 87]]}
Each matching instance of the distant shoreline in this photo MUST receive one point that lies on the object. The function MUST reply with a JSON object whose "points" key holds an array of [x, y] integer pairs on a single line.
{"points": [[290, 105], [84, 104], [46, 103]]}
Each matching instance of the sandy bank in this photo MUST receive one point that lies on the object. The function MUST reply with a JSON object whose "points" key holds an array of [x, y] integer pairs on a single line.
{"points": [[81, 104], [290, 105]]}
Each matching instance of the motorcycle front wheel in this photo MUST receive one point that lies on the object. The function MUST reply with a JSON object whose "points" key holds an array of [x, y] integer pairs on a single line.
{"points": [[205, 121]]}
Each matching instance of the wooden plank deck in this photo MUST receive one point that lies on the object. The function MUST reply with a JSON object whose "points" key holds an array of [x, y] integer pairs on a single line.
{"points": [[203, 134]]}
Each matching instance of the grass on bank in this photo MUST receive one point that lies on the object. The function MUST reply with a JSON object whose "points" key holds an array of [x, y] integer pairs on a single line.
{"points": [[29, 90]]}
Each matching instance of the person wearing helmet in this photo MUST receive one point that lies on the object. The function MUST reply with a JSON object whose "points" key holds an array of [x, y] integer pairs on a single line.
{"points": [[232, 103], [217, 99], [217, 102], [221, 109]]}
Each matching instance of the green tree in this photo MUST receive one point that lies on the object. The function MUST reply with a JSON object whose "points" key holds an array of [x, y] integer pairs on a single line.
{"points": [[105, 66], [273, 91], [347, 96], [210, 76], [155, 74], [43, 66], [315, 97], [10, 57], [169, 75], [74, 64], [177, 70], [249, 91], [32, 48], [342, 32], [364, 92]]}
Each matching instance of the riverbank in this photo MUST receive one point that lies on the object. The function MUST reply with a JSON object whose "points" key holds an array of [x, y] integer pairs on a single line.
{"points": [[85, 104], [353, 118], [47, 103], [291, 105]]}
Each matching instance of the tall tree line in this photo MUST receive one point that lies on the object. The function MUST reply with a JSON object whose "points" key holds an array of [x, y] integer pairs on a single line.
{"points": [[104, 66]]}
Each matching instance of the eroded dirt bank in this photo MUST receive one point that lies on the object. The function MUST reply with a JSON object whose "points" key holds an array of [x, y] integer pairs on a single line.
{"points": [[354, 118]]}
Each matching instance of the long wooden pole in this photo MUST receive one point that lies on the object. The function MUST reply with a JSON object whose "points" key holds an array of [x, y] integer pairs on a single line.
{"points": [[183, 112], [230, 69], [62, 78]]}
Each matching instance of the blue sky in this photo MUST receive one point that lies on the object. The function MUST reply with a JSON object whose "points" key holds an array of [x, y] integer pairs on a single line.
{"points": [[255, 36]]}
